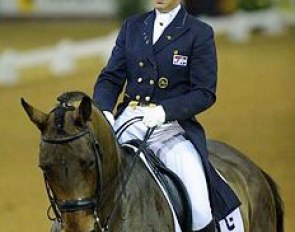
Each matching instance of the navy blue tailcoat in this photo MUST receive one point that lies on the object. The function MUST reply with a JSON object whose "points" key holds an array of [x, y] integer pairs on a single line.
{"points": [[178, 72]]}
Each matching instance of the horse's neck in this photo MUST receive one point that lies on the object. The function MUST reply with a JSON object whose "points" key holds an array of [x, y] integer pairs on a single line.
{"points": [[140, 200], [111, 153], [111, 161]]}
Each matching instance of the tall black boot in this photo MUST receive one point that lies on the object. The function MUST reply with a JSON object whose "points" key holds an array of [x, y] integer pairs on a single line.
{"points": [[209, 228]]}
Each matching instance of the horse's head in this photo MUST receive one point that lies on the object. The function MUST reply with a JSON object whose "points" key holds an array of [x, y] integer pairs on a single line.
{"points": [[71, 159]]}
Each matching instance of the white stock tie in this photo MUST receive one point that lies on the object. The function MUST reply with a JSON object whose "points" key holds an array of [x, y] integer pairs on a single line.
{"points": [[161, 22]]}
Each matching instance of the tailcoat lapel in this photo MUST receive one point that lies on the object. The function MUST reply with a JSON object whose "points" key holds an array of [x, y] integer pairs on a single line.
{"points": [[147, 36], [176, 28]]}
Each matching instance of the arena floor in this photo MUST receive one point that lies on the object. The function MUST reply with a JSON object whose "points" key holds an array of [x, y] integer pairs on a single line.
{"points": [[255, 113]]}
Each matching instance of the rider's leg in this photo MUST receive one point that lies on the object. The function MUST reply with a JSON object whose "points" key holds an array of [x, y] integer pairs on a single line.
{"points": [[185, 161]]}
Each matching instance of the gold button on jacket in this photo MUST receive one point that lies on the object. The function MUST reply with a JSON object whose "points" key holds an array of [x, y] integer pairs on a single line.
{"points": [[163, 82]]}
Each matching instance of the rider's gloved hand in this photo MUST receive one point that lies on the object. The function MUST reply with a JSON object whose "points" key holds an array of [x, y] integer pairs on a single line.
{"points": [[110, 117], [154, 116]]}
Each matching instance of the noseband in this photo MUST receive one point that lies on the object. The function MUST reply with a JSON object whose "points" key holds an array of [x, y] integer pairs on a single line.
{"points": [[64, 206]]}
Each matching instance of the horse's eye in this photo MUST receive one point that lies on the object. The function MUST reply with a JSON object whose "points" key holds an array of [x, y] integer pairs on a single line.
{"points": [[87, 164], [91, 164]]}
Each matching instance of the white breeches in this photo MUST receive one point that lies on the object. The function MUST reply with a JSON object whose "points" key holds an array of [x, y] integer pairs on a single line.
{"points": [[178, 154]]}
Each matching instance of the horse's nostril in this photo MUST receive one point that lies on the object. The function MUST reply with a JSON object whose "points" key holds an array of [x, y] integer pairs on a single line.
{"points": [[92, 231]]}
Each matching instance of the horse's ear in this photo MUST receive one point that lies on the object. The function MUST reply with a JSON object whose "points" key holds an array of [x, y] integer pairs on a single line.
{"points": [[85, 109], [36, 116]]}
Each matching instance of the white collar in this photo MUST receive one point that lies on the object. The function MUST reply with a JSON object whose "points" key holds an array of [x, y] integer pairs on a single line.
{"points": [[171, 14]]}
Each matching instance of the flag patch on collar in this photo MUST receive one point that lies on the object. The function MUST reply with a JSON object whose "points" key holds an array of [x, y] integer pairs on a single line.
{"points": [[180, 60]]}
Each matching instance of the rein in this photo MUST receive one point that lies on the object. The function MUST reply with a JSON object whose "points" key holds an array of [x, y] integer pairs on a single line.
{"points": [[136, 158]]}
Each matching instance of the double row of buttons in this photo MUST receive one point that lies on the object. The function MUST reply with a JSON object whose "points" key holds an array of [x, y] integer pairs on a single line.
{"points": [[139, 80], [163, 82], [147, 98]]}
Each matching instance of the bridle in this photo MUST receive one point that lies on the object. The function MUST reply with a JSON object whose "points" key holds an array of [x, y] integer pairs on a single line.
{"points": [[65, 206], [93, 203]]}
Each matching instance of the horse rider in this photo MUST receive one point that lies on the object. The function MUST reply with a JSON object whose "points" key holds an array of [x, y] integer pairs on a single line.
{"points": [[166, 61]]}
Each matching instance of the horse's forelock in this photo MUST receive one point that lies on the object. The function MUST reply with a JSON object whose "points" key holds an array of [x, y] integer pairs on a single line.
{"points": [[71, 96], [68, 102], [66, 111]]}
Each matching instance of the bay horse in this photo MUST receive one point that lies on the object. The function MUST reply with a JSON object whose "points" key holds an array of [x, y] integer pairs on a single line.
{"points": [[94, 186]]}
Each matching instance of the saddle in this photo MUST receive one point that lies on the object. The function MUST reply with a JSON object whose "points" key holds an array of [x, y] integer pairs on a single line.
{"points": [[172, 184]]}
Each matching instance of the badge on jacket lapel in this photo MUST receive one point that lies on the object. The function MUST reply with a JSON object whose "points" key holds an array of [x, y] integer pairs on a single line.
{"points": [[180, 60]]}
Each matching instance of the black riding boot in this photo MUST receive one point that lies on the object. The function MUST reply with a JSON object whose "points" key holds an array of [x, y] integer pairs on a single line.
{"points": [[209, 228]]}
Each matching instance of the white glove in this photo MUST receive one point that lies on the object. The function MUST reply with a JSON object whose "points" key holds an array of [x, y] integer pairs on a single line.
{"points": [[154, 116], [109, 117]]}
